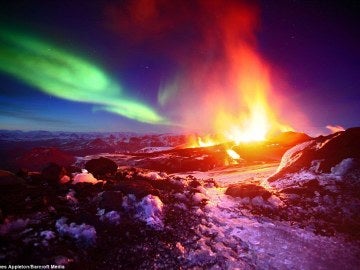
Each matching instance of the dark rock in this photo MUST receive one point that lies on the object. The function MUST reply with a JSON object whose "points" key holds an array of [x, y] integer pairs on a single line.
{"points": [[35, 178], [247, 190], [313, 183], [303, 192], [111, 200], [125, 174], [167, 185], [73, 169], [307, 189], [139, 188], [86, 190], [101, 166], [22, 173], [194, 183], [53, 173]]}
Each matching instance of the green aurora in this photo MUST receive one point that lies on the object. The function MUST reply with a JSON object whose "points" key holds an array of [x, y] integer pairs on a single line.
{"points": [[59, 73]]}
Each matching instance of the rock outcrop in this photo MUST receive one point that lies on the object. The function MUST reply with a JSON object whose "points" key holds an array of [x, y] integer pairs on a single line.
{"points": [[319, 183], [101, 166]]}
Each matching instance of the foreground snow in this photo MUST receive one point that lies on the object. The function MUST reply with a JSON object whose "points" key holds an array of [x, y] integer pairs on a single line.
{"points": [[232, 238], [142, 219]]}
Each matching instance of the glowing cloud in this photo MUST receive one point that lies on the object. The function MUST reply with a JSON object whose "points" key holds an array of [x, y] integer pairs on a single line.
{"points": [[59, 73], [335, 129]]}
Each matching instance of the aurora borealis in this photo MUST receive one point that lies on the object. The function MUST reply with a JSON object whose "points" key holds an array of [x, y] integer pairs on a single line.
{"points": [[153, 65], [63, 75]]}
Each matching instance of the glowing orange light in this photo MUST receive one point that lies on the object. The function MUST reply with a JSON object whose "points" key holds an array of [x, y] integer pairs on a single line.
{"points": [[233, 154], [256, 119], [205, 142], [201, 141]]}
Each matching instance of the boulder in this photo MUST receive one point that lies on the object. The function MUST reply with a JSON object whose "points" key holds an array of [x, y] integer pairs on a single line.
{"points": [[53, 173], [139, 188], [167, 185], [248, 190], [86, 191], [111, 200], [35, 178], [101, 166]]}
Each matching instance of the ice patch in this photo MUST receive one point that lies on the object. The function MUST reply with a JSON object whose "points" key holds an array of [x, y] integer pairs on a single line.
{"points": [[47, 235], [85, 177], [112, 217], [128, 201], [70, 196], [150, 210], [154, 149], [343, 167], [83, 233], [153, 175], [292, 179], [258, 200]]}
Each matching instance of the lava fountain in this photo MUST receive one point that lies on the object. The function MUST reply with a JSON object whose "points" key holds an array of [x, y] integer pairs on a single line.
{"points": [[238, 88], [217, 82], [256, 119]]}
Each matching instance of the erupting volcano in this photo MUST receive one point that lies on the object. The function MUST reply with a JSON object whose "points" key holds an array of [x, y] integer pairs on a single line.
{"points": [[226, 87]]}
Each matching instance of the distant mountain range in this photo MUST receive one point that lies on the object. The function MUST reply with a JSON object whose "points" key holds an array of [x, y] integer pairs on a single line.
{"points": [[19, 148]]}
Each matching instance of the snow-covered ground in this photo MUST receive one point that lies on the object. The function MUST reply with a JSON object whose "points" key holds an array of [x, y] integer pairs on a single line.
{"points": [[233, 238], [237, 173], [151, 149]]}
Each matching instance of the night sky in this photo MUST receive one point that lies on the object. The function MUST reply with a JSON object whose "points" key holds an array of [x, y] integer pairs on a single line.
{"points": [[153, 66]]}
